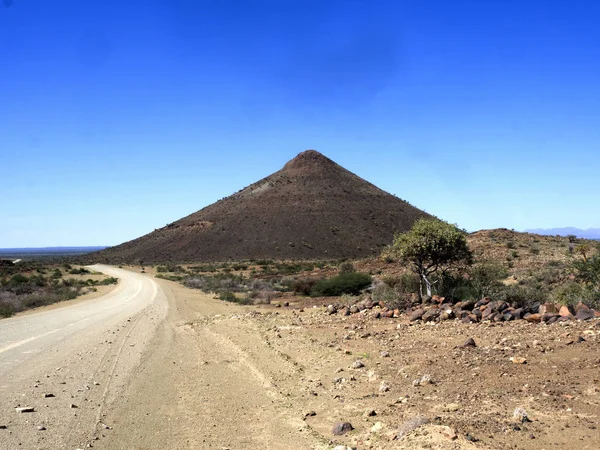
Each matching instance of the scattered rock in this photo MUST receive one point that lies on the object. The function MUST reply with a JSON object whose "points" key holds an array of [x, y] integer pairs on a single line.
{"points": [[342, 428], [384, 387], [411, 424], [518, 360], [370, 413], [41, 428], [48, 395], [470, 343], [425, 379], [358, 364], [520, 415], [448, 432], [25, 409], [384, 354], [377, 427], [73, 406]]}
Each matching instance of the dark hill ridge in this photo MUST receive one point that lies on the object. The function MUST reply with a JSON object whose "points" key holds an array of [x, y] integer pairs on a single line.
{"points": [[311, 209]]}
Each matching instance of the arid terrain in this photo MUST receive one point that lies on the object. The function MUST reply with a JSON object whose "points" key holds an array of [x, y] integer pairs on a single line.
{"points": [[190, 371]]}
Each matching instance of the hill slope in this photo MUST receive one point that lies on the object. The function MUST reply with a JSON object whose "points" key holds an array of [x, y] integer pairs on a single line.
{"points": [[311, 209]]}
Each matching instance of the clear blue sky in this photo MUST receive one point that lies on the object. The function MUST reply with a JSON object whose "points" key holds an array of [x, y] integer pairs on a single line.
{"points": [[117, 117]]}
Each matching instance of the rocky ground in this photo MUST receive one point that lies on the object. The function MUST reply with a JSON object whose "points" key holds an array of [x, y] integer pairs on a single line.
{"points": [[486, 385]]}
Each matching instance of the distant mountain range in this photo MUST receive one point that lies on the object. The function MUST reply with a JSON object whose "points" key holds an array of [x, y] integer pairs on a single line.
{"points": [[590, 233], [46, 252]]}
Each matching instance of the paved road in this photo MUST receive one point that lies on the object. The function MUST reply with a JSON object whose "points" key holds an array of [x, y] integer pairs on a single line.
{"points": [[80, 353]]}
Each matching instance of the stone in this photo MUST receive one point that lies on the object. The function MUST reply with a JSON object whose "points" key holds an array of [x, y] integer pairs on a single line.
{"points": [[25, 409], [384, 354], [564, 311], [41, 428], [309, 414], [520, 415], [48, 395], [377, 427], [448, 432], [447, 314], [384, 387], [518, 360], [342, 428], [331, 309], [411, 424], [470, 343], [3, 427], [358, 364], [370, 413], [354, 309], [431, 315], [417, 315], [345, 312], [533, 318], [452, 407], [584, 314]]}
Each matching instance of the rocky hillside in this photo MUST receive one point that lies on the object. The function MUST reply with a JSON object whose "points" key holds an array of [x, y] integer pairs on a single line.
{"points": [[310, 209]]}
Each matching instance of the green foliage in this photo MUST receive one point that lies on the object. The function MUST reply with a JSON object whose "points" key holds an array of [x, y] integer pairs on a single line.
{"points": [[572, 293], [486, 278], [344, 283], [303, 286], [169, 267], [430, 246], [79, 271], [347, 267]]}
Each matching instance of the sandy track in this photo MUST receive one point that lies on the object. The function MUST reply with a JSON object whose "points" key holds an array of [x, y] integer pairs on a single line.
{"points": [[207, 381], [83, 354]]}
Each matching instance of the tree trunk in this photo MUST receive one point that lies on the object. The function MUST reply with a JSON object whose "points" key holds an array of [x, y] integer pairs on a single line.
{"points": [[427, 285]]}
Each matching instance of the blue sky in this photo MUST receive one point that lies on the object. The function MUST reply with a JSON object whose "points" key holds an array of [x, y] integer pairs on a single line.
{"points": [[119, 117]]}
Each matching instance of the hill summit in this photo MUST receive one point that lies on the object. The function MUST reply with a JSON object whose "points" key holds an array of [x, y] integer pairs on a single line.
{"points": [[310, 209]]}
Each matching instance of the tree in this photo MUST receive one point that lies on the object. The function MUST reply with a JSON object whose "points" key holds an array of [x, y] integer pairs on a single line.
{"points": [[430, 246]]}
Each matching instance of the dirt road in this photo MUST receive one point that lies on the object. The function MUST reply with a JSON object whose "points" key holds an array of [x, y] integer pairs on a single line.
{"points": [[135, 369]]}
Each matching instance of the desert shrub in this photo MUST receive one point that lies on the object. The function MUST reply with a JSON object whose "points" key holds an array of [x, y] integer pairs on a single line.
{"points": [[347, 267], [511, 245], [534, 250], [405, 283], [525, 293], [344, 283], [169, 267], [80, 271], [572, 293], [303, 286], [486, 278], [227, 296]]}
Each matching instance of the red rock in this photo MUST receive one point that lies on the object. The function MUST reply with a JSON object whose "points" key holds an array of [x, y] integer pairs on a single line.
{"points": [[581, 306], [397, 313], [564, 311], [534, 318]]}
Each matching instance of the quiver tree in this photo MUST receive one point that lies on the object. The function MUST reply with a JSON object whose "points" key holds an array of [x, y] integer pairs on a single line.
{"points": [[431, 246]]}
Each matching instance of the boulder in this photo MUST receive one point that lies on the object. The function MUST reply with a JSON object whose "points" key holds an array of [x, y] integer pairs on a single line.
{"points": [[417, 314], [565, 311], [585, 314], [532, 318], [431, 315], [342, 428]]}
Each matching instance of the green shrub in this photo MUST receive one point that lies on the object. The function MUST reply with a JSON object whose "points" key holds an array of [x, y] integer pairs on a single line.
{"points": [[347, 267], [344, 283], [304, 286]]}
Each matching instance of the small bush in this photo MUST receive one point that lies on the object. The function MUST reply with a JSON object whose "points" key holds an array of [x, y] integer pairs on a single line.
{"points": [[303, 287], [347, 267], [345, 283]]}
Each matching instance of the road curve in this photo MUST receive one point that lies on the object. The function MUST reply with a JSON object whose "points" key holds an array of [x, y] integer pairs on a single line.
{"points": [[82, 354]]}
